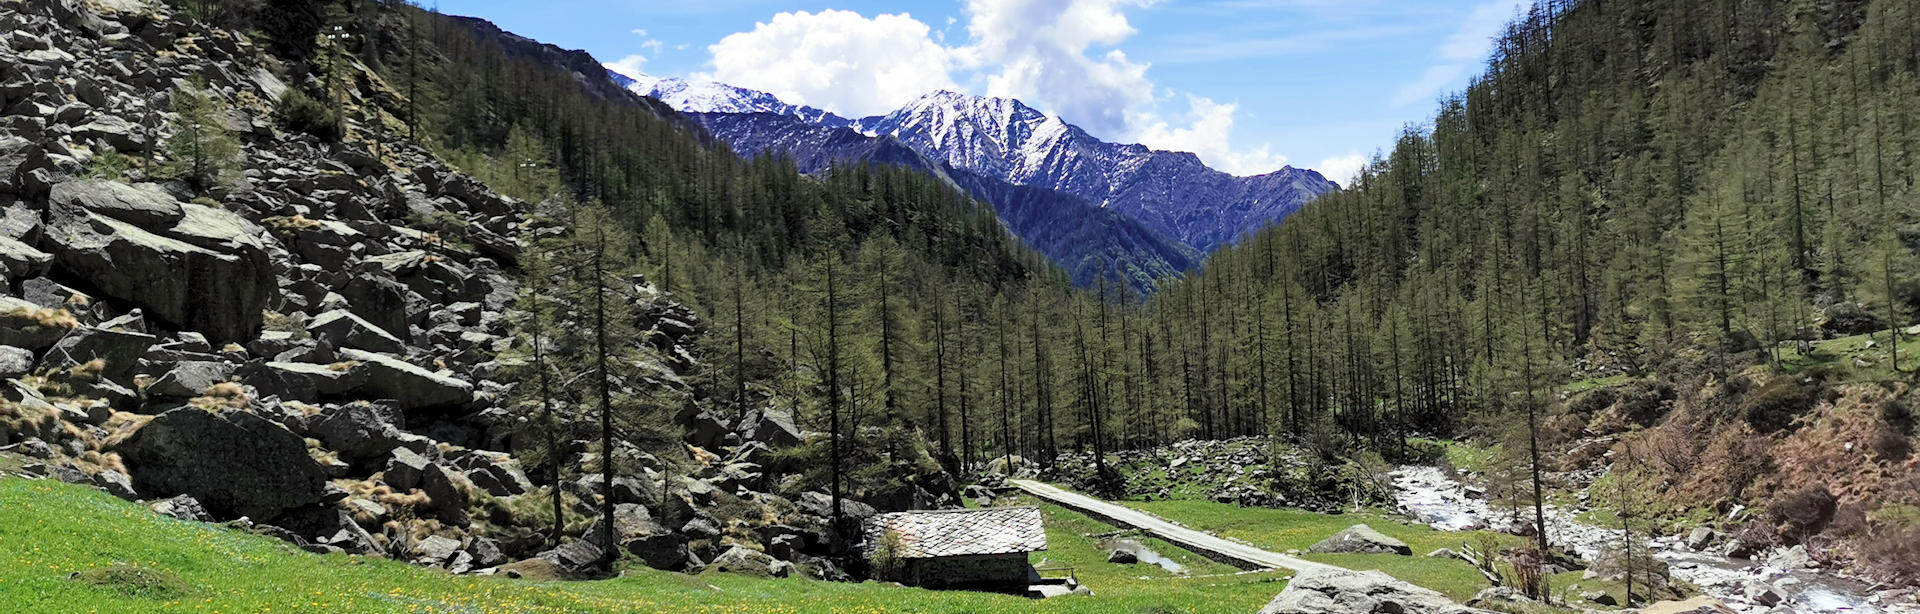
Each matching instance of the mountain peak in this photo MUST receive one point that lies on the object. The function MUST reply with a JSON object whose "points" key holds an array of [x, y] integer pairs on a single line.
{"points": [[704, 96]]}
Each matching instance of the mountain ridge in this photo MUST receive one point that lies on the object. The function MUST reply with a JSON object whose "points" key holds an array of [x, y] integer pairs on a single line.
{"points": [[1007, 140]]}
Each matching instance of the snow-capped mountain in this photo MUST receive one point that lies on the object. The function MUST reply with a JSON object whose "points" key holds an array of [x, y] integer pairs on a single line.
{"points": [[990, 145], [1172, 192], [1081, 237], [689, 96]]}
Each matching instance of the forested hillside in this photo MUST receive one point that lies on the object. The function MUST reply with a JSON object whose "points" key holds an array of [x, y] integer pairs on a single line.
{"points": [[1676, 202]]}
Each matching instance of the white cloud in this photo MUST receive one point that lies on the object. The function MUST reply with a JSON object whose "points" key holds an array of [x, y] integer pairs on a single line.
{"points": [[1208, 135], [640, 31], [631, 66], [1042, 52], [1461, 52], [1060, 56], [1342, 169], [837, 60]]}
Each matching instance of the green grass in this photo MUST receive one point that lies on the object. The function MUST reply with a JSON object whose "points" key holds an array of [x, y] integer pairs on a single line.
{"points": [[1836, 357], [132, 560], [1281, 530]]}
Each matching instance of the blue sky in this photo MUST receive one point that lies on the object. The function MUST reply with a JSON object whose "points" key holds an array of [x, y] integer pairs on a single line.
{"points": [[1249, 85]]}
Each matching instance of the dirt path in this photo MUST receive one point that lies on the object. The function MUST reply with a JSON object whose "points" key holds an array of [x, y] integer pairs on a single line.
{"points": [[1210, 546]]}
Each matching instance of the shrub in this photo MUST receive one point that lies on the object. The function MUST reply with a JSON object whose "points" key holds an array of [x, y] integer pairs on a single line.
{"points": [[1889, 445], [1776, 404], [301, 113], [1803, 513], [131, 581], [1890, 552], [200, 148]]}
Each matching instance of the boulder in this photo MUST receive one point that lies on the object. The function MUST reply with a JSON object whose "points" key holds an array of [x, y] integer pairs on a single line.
{"points": [[497, 474], [14, 362], [380, 300], [217, 293], [19, 260], [233, 462], [1700, 538], [361, 431], [187, 379], [1340, 591], [708, 430], [183, 507], [1361, 538], [821, 505], [660, 550], [299, 381], [328, 526], [447, 490], [340, 328], [146, 206], [1762, 593], [436, 550], [404, 468], [742, 560], [117, 349], [410, 386], [116, 132], [772, 427]]}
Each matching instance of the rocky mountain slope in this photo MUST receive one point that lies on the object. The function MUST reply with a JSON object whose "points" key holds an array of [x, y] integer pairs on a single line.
{"points": [[1082, 238], [1171, 193], [309, 347]]}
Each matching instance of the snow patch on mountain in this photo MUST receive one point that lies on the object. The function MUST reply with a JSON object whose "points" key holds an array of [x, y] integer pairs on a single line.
{"points": [[701, 96]]}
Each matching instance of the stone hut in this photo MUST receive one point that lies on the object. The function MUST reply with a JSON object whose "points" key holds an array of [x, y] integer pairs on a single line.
{"points": [[978, 549]]}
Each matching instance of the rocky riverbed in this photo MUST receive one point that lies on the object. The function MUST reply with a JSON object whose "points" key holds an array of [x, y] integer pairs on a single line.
{"points": [[1779, 582]]}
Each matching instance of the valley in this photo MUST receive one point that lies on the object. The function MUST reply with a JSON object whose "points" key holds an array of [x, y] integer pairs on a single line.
{"points": [[361, 306]]}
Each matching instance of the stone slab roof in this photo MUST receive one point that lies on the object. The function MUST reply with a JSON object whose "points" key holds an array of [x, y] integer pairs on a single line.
{"points": [[945, 533]]}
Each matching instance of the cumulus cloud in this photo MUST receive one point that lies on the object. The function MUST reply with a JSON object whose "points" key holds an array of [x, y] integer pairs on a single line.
{"points": [[837, 60], [1342, 169], [1461, 52], [1060, 56], [1209, 135], [1042, 52], [631, 66]]}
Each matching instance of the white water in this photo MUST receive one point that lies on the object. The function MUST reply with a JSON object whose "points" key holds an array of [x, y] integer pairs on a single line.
{"points": [[1442, 503]]}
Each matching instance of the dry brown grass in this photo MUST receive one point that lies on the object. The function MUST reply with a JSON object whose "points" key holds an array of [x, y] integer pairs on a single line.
{"points": [[290, 224], [224, 395], [88, 371], [39, 318]]}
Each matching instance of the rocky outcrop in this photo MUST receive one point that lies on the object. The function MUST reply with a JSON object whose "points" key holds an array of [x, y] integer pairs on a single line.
{"points": [[1361, 538], [1359, 592], [233, 462]]}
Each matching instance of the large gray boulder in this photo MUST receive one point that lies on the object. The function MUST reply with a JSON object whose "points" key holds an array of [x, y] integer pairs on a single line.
{"points": [[118, 349], [19, 260], [410, 386], [146, 206], [233, 462], [362, 431], [14, 362], [1361, 538], [1340, 591], [188, 378], [299, 381], [220, 294], [340, 328], [742, 560], [773, 427]]}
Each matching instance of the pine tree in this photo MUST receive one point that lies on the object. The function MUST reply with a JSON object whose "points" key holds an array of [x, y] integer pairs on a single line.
{"points": [[201, 150]]}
